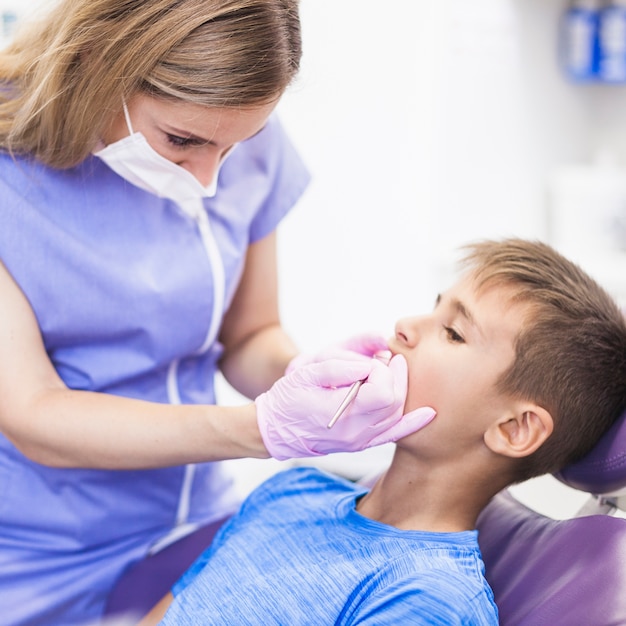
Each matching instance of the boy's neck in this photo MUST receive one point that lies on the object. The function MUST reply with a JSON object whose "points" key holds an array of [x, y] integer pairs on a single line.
{"points": [[413, 496]]}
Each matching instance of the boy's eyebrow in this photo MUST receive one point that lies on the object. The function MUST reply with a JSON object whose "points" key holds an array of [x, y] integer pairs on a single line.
{"points": [[462, 310]]}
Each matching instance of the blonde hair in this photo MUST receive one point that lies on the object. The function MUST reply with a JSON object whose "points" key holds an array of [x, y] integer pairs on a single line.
{"points": [[64, 78]]}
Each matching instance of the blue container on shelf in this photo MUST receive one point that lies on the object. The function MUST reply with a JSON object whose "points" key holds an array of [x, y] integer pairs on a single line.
{"points": [[612, 42], [579, 40]]}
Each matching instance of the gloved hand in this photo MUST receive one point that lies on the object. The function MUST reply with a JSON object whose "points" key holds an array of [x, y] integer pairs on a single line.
{"points": [[365, 345], [293, 415]]}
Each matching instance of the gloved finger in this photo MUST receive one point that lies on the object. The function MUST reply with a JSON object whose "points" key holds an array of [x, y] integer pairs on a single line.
{"points": [[332, 352], [410, 423], [385, 386], [367, 344], [333, 373]]}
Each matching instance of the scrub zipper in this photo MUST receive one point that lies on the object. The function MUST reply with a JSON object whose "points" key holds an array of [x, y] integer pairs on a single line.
{"points": [[195, 210]]}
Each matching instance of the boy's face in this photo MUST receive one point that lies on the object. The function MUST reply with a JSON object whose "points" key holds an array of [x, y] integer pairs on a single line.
{"points": [[455, 355]]}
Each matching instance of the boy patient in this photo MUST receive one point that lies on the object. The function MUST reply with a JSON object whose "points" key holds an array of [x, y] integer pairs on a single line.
{"points": [[524, 360]]}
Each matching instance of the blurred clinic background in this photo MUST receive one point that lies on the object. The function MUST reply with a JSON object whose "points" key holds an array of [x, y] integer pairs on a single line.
{"points": [[430, 123]]}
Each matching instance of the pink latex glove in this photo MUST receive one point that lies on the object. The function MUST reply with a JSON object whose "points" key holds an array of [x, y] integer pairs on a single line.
{"points": [[293, 415], [365, 345]]}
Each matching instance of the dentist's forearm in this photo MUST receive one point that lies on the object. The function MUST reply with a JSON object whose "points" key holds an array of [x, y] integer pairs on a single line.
{"points": [[66, 428]]}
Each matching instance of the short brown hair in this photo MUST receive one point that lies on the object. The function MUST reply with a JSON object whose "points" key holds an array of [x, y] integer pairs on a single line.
{"points": [[570, 356], [64, 78]]}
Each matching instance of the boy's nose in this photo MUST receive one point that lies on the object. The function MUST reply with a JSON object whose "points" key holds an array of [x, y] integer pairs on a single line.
{"points": [[407, 330]]}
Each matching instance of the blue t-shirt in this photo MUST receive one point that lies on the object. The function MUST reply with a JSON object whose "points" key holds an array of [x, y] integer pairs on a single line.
{"points": [[299, 553]]}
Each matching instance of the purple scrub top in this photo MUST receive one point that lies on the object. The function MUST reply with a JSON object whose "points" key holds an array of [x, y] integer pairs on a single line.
{"points": [[122, 287]]}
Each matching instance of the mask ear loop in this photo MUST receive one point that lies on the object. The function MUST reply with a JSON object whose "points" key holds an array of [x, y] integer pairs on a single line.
{"points": [[127, 116]]}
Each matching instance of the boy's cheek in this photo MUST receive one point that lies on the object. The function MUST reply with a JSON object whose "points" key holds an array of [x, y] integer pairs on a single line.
{"points": [[415, 402], [422, 390]]}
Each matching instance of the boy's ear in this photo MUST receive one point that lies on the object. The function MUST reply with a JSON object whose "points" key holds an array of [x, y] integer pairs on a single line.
{"points": [[521, 433]]}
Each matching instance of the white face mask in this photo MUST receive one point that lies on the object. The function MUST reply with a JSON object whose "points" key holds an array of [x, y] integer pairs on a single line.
{"points": [[135, 160]]}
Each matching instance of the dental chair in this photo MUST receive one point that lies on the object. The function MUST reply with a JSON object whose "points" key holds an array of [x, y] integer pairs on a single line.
{"points": [[563, 572]]}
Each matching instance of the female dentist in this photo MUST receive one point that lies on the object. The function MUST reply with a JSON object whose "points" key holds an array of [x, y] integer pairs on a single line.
{"points": [[142, 177]]}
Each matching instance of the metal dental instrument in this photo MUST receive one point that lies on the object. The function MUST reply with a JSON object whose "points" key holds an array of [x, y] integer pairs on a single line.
{"points": [[354, 389], [351, 395]]}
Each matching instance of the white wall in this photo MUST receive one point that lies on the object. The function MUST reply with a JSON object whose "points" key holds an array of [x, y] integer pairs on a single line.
{"points": [[426, 124]]}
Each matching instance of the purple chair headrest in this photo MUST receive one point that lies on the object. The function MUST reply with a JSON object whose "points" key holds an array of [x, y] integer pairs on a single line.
{"points": [[547, 572], [603, 470]]}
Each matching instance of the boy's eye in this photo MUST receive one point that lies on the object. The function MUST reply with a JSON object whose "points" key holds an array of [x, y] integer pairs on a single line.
{"points": [[453, 335]]}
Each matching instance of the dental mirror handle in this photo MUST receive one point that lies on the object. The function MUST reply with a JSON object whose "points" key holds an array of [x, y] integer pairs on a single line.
{"points": [[350, 396]]}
